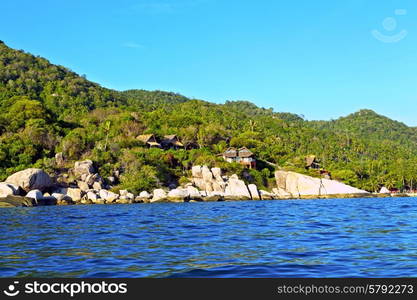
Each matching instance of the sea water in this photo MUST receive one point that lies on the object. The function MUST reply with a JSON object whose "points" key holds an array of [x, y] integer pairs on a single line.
{"points": [[278, 238]]}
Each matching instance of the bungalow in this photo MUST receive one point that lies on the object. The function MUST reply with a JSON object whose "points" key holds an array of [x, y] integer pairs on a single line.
{"points": [[171, 142], [243, 156], [149, 140]]}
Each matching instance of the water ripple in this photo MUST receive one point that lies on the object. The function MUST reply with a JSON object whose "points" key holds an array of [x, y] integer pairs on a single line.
{"points": [[294, 238]]}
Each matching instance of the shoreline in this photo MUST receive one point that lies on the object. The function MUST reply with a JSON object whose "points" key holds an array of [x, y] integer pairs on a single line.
{"points": [[22, 201], [34, 187]]}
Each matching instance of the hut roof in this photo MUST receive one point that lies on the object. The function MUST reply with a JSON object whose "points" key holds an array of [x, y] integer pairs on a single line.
{"points": [[310, 160], [170, 137], [245, 152], [145, 137], [230, 152]]}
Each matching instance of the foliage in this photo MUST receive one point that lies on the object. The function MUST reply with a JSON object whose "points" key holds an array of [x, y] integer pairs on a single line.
{"points": [[46, 109]]}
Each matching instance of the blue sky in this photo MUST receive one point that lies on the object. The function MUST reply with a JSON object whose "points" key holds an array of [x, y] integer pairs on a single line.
{"points": [[322, 58]]}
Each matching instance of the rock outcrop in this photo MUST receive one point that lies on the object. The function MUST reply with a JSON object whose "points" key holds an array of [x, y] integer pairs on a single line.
{"points": [[178, 195], [159, 195], [8, 189], [85, 167], [17, 201], [253, 189], [215, 187], [31, 179], [236, 189], [298, 185]]}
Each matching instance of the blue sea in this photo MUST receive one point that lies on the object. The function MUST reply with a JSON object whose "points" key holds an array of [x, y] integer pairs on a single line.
{"points": [[291, 238]]}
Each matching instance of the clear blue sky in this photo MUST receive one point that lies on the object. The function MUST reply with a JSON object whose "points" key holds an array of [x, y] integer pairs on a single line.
{"points": [[316, 58]]}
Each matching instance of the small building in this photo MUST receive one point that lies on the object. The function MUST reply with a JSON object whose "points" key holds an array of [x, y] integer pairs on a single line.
{"points": [[171, 142], [150, 140], [243, 156], [312, 163]]}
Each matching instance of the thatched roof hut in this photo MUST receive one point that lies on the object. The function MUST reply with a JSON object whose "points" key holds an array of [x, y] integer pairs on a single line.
{"points": [[171, 141], [149, 139]]}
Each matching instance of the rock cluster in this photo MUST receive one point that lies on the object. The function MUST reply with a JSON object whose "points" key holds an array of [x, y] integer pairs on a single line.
{"points": [[84, 185]]}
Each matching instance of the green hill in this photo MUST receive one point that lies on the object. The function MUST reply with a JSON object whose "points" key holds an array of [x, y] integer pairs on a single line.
{"points": [[46, 109]]}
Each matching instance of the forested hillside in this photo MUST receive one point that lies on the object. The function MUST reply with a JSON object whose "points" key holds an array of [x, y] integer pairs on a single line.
{"points": [[46, 109]]}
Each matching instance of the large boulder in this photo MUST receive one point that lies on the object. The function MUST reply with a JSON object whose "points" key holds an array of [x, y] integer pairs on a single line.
{"points": [[7, 189], [197, 172], [299, 185], [74, 193], [108, 196], [83, 186], [281, 193], [83, 168], [236, 189], [206, 173], [159, 195], [178, 195], [97, 186], [31, 179], [17, 201], [217, 173], [145, 195], [253, 189], [193, 193], [92, 196], [208, 180]]}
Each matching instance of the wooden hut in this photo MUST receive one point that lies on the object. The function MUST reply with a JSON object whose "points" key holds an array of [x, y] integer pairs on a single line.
{"points": [[150, 140], [171, 142], [243, 156]]}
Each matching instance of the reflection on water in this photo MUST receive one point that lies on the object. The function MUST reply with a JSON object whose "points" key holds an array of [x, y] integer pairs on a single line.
{"points": [[296, 238]]}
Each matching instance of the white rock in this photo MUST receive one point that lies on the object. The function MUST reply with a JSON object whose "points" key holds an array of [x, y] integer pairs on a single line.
{"points": [[123, 192], [217, 173], [58, 196], [193, 192], [7, 189], [83, 167], [253, 189], [83, 186], [207, 175], [236, 189], [74, 193], [145, 195], [177, 195], [197, 172], [92, 196], [302, 185], [159, 195], [97, 186], [31, 179], [108, 196], [35, 194]]}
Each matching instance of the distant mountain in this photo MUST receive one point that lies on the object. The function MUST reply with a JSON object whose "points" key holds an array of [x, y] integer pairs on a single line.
{"points": [[47, 109], [370, 125]]}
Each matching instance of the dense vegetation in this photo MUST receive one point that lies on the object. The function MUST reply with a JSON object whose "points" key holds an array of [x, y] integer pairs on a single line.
{"points": [[46, 109]]}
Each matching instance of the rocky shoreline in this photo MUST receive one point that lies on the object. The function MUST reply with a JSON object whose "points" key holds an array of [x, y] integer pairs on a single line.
{"points": [[34, 187]]}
